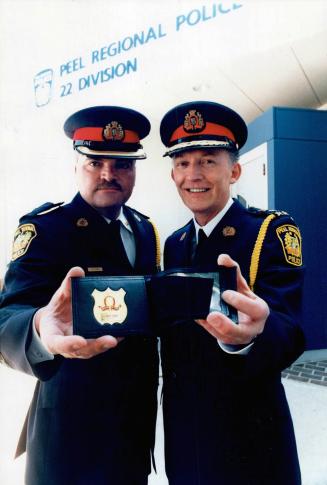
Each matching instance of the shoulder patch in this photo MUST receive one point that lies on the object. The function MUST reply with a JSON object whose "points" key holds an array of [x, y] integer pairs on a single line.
{"points": [[45, 208], [290, 238], [22, 239]]}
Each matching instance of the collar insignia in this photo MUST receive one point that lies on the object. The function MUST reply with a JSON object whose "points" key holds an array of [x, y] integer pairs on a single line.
{"points": [[229, 231], [82, 222]]}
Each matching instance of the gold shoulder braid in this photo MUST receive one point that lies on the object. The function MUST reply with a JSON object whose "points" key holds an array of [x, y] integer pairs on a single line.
{"points": [[257, 249], [158, 251]]}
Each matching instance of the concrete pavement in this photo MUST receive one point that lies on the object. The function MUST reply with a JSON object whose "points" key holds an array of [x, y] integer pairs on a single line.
{"points": [[308, 403]]}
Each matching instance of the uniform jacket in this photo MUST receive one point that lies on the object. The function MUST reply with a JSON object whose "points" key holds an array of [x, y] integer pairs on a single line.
{"points": [[90, 421], [226, 417]]}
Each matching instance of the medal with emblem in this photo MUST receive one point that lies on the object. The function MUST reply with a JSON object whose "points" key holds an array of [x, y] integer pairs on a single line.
{"points": [[22, 239], [113, 132], [290, 238], [109, 306], [193, 122]]}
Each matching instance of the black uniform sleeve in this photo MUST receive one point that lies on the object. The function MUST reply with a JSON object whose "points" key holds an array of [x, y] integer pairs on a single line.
{"points": [[279, 282], [30, 281]]}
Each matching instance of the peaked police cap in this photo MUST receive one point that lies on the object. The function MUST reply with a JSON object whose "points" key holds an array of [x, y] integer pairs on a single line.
{"points": [[108, 132], [202, 124]]}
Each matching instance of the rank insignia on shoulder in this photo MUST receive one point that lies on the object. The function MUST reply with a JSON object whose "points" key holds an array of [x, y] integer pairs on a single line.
{"points": [[45, 209], [290, 239], [22, 239], [267, 212], [137, 218], [278, 213]]}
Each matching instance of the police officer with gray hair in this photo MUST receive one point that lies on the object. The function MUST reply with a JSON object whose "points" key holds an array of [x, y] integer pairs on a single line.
{"points": [[226, 417]]}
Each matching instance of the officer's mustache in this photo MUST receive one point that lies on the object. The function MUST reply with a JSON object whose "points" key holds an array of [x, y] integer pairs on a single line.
{"points": [[109, 185]]}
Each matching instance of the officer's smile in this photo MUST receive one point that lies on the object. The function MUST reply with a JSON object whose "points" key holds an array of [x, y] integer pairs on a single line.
{"points": [[197, 190], [203, 179]]}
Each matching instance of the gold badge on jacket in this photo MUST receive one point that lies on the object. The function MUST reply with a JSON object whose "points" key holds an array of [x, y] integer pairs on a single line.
{"points": [[109, 306], [82, 222], [22, 239], [290, 238], [229, 231]]}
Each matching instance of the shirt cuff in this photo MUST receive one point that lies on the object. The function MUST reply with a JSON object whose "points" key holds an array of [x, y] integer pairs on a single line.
{"points": [[36, 352], [235, 349]]}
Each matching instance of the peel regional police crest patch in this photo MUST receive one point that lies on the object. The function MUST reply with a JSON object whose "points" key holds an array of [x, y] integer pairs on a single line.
{"points": [[22, 239], [290, 238]]}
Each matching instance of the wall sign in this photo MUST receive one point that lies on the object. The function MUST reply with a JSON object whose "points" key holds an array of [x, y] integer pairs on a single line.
{"points": [[102, 64]]}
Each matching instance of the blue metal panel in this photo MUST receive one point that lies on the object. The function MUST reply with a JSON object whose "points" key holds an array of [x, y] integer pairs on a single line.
{"points": [[260, 130], [297, 177], [300, 124], [301, 172], [271, 174], [290, 123]]}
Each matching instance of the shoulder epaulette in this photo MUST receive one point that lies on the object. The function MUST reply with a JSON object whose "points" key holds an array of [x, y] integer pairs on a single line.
{"points": [[138, 215], [182, 230], [44, 209], [264, 213]]}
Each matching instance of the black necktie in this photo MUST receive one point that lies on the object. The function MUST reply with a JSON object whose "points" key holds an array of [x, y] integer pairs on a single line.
{"points": [[118, 251], [201, 241]]}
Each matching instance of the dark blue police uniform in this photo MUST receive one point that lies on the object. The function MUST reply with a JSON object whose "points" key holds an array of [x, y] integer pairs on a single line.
{"points": [[91, 421], [226, 417]]}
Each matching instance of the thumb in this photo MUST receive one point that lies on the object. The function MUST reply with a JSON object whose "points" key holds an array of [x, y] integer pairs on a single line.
{"points": [[65, 287], [226, 260]]}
